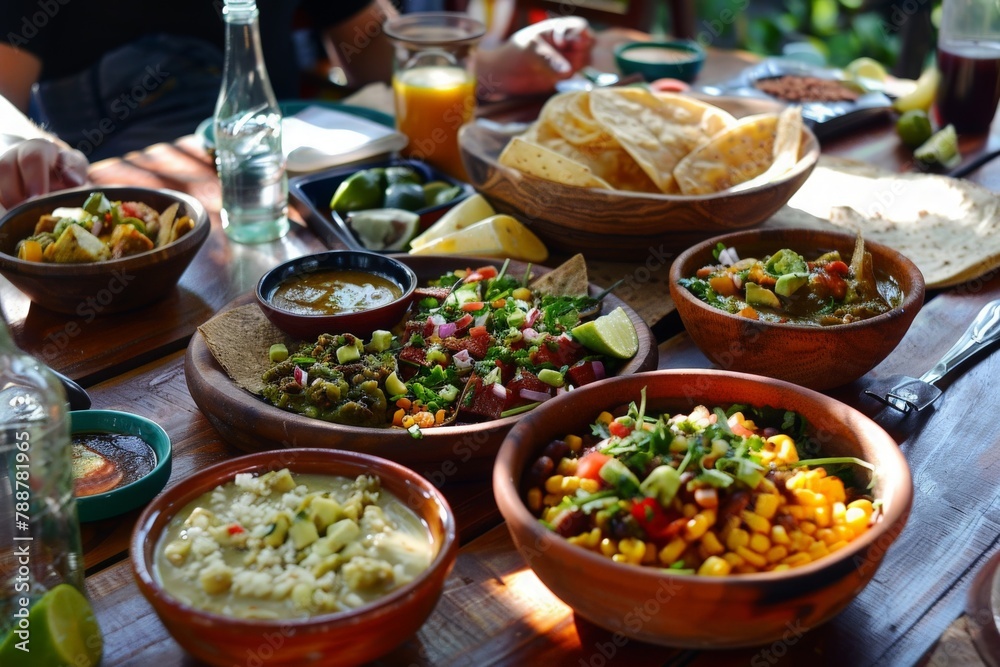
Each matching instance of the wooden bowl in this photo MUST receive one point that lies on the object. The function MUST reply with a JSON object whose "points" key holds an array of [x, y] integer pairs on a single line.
{"points": [[360, 323], [692, 611], [461, 452], [812, 356], [110, 286], [615, 224], [344, 638]]}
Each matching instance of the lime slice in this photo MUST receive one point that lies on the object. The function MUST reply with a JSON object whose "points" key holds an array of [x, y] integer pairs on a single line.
{"points": [[360, 190], [384, 228], [64, 631], [463, 214], [941, 148], [914, 127], [402, 174], [407, 196], [496, 236], [865, 68], [922, 95], [612, 334]]}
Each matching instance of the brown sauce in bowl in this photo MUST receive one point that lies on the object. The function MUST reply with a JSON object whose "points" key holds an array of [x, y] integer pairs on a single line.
{"points": [[334, 292], [106, 461]]}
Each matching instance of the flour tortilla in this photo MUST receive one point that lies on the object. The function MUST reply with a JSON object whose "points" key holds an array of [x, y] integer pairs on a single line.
{"points": [[240, 339], [657, 130], [949, 228]]}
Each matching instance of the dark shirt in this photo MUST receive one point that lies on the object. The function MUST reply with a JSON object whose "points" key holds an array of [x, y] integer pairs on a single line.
{"points": [[71, 35]]}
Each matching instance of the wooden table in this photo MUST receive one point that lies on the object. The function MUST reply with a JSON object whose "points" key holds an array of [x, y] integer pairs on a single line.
{"points": [[494, 610]]}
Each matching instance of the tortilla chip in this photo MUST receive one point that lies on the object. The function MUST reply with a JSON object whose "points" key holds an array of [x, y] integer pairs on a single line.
{"points": [[166, 224], [657, 130], [948, 227], [537, 160], [785, 153], [731, 157], [569, 116], [567, 279], [240, 339]]}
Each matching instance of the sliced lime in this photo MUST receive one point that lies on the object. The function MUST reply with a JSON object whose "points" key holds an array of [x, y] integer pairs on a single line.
{"points": [[402, 174], [864, 69], [64, 631], [612, 334], [407, 196], [384, 228], [914, 127], [360, 190], [941, 148]]}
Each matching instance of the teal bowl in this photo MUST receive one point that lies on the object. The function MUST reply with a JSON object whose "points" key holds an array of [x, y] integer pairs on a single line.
{"points": [[137, 493], [677, 59]]}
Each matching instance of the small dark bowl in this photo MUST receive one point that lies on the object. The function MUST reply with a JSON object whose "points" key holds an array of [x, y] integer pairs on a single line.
{"points": [[362, 323], [124, 284], [311, 194], [812, 356], [690, 57]]}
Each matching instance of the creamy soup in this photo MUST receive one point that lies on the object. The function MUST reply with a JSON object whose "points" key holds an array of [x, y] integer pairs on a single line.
{"points": [[284, 546], [334, 292], [659, 54]]}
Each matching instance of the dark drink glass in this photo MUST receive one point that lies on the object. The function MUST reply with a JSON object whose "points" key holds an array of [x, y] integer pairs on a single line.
{"points": [[970, 85]]}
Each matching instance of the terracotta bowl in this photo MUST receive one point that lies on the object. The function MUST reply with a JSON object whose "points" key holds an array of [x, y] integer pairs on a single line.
{"points": [[344, 638], [361, 323], [694, 611], [117, 284], [812, 356], [615, 224]]}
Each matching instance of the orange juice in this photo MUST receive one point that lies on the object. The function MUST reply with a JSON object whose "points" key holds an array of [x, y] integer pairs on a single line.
{"points": [[431, 104]]}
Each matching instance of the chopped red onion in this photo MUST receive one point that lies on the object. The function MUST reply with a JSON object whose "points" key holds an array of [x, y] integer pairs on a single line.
{"points": [[532, 395], [737, 281], [532, 317], [598, 367], [462, 359], [98, 226], [499, 390], [300, 376], [447, 329], [530, 334]]}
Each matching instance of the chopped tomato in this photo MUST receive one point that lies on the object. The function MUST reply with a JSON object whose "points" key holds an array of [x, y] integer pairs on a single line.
{"points": [[618, 429], [482, 273], [838, 268], [235, 529], [658, 525], [463, 322], [590, 465], [478, 331], [473, 306]]}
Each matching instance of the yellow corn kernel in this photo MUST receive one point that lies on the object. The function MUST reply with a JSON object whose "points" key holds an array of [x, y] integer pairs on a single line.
{"points": [[554, 484], [801, 541], [711, 544], [535, 500], [781, 567], [843, 533], [808, 498], [620, 558], [574, 442], [674, 549], [840, 544], [767, 486], [689, 510], [609, 547], [838, 512], [408, 421], [759, 543], [776, 554], [766, 505], [737, 538], [746, 568], [591, 539], [552, 499], [797, 560], [822, 516], [650, 556], [863, 504], [825, 535], [570, 485], [796, 481], [567, 466], [787, 453], [698, 525], [714, 567], [550, 513], [766, 457], [751, 557], [818, 550], [590, 485], [779, 535], [605, 418], [633, 549], [807, 527], [856, 519], [734, 560], [833, 489], [755, 522], [796, 511]]}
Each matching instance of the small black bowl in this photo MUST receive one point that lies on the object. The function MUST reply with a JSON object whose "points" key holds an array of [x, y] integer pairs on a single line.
{"points": [[361, 323]]}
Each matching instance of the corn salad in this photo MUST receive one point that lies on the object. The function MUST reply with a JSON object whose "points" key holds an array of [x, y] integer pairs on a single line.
{"points": [[713, 492]]}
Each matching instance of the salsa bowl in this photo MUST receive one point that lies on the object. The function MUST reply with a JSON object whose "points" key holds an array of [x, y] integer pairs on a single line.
{"points": [[348, 637], [117, 284], [699, 611], [818, 357]]}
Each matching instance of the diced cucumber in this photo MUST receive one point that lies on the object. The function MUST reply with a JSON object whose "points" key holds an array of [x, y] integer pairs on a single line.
{"points": [[551, 377], [381, 340], [347, 353], [303, 531]]}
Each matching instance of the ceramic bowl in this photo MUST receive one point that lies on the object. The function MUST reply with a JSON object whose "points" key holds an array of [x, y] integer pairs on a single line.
{"points": [[135, 494], [117, 284], [677, 59], [812, 356], [617, 224], [345, 638], [693, 611], [361, 323]]}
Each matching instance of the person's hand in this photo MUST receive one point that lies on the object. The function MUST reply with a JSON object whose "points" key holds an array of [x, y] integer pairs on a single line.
{"points": [[536, 57], [37, 166]]}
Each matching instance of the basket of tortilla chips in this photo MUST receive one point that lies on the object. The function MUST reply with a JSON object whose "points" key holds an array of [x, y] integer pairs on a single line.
{"points": [[613, 171]]}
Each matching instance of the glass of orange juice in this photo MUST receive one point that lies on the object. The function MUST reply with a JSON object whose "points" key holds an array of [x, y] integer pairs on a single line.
{"points": [[434, 83]]}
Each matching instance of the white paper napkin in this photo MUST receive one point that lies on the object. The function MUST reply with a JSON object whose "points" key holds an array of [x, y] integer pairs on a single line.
{"points": [[319, 137]]}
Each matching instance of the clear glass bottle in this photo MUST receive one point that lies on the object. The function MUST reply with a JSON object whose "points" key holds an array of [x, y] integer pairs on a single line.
{"points": [[40, 552], [247, 128]]}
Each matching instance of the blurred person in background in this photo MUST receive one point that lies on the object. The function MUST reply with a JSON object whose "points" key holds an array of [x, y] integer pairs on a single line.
{"points": [[62, 67]]}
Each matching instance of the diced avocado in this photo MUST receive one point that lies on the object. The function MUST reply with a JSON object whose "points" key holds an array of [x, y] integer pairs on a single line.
{"points": [[662, 483], [347, 353], [282, 481], [551, 377], [303, 531], [279, 531], [394, 385], [786, 261], [277, 353], [381, 340], [788, 283], [324, 512], [761, 296], [448, 393]]}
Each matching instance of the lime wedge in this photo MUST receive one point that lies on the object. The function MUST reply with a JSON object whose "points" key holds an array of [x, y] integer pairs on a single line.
{"points": [[361, 190], [63, 631], [612, 334], [941, 148], [863, 69], [922, 95], [914, 127]]}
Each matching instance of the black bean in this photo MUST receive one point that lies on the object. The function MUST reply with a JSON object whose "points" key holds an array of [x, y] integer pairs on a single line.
{"points": [[539, 472]]}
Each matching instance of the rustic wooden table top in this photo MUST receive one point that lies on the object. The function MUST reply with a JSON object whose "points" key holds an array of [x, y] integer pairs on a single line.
{"points": [[493, 609]]}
